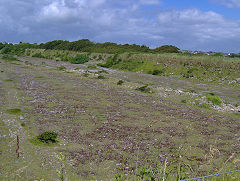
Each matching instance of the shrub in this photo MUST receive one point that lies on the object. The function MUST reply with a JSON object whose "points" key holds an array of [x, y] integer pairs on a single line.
{"points": [[214, 99], [61, 68], [120, 82], [48, 137], [79, 59]]}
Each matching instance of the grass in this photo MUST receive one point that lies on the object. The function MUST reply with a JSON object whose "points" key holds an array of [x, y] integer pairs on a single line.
{"points": [[14, 111]]}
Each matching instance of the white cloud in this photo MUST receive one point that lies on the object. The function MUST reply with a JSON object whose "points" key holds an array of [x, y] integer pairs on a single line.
{"points": [[116, 21], [229, 3]]}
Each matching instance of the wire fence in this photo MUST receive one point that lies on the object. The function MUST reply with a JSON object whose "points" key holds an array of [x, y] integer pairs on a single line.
{"points": [[214, 175]]}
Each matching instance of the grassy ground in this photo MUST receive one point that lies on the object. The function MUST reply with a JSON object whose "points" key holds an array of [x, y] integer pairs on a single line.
{"points": [[109, 131]]}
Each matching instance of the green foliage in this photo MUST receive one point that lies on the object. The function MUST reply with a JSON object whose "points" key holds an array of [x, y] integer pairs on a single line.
{"points": [[91, 67], [129, 65], [146, 174], [9, 58], [85, 45], [61, 158], [13, 111], [79, 59], [204, 105], [102, 71], [8, 80], [157, 72], [144, 89], [166, 49], [120, 82], [101, 77], [61, 68], [48, 137], [111, 61], [214, 99], [17, 49], [218, 54], [184, 101]]}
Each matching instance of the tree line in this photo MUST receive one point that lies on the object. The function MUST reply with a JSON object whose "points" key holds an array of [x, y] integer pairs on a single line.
{"points": [[85, 45]]}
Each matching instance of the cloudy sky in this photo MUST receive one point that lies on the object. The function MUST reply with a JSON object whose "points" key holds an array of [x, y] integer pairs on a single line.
{"points": [[189, 24]]}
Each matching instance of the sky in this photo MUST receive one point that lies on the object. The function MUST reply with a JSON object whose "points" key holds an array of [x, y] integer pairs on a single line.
{"points": [[206, 25]]}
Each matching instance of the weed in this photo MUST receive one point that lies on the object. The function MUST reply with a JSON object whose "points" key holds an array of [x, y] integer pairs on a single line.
{"points": [[61, 158]]}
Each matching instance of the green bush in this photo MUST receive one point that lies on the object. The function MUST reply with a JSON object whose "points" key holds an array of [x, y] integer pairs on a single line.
{"points": [[79, 59], [48, 137], [214, 99]]}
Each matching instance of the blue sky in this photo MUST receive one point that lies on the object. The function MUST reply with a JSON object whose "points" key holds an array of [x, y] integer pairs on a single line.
{"points": [[208, 25]]}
